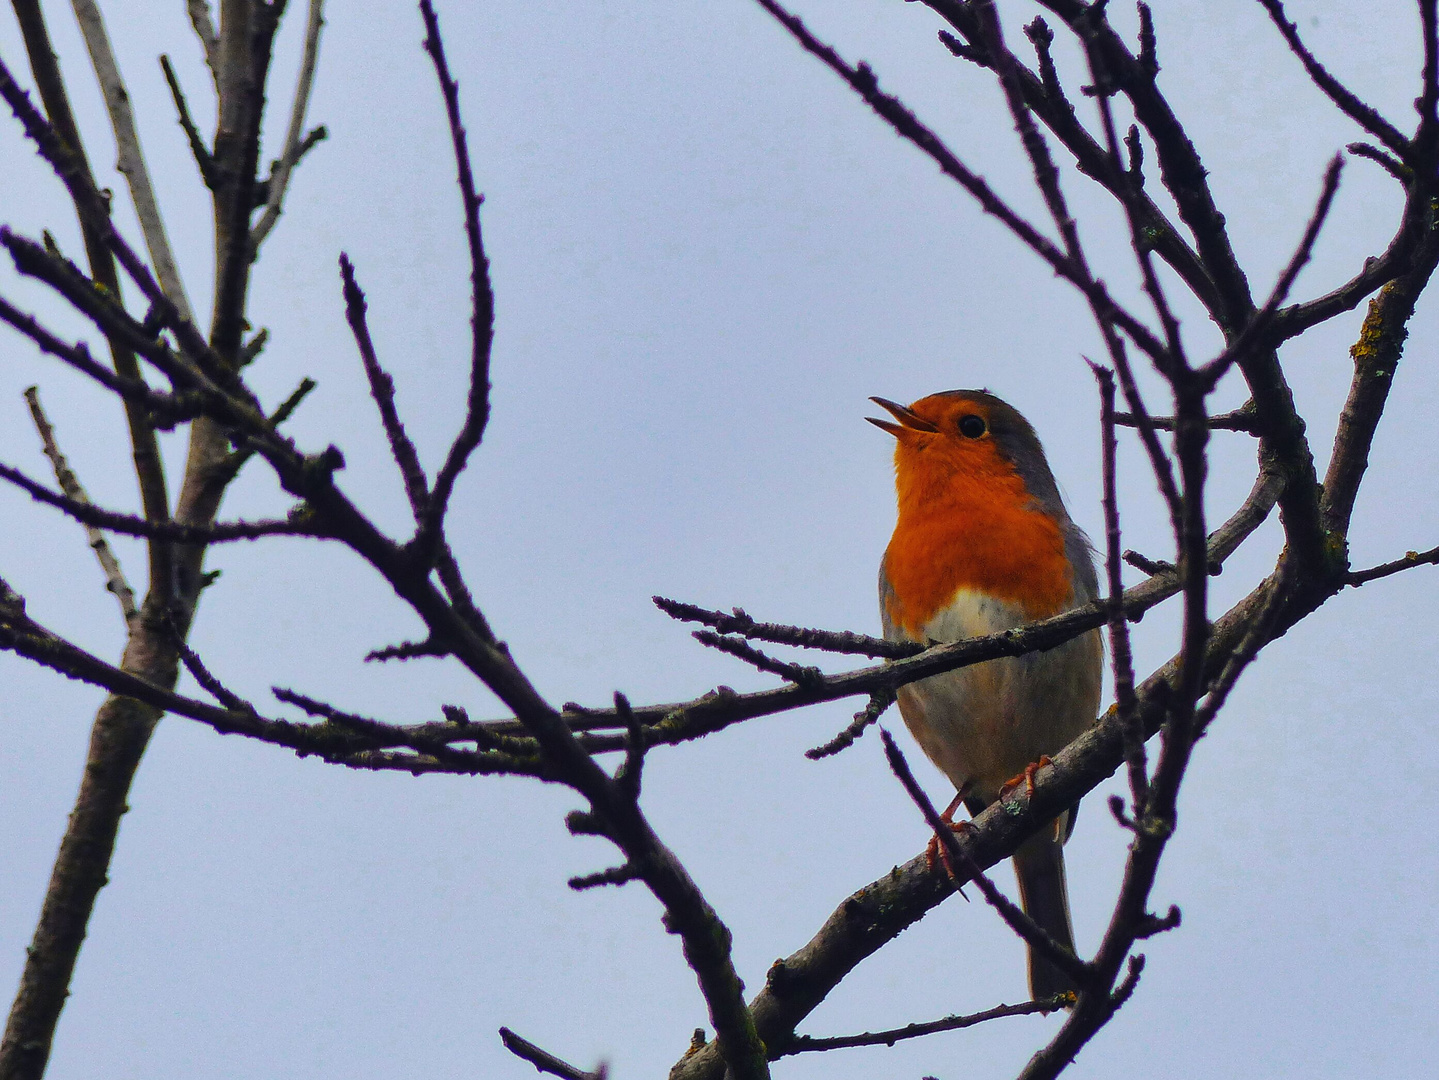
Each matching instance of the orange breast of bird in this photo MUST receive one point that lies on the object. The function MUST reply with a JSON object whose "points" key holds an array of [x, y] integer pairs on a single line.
{"points": [[971, 526]]}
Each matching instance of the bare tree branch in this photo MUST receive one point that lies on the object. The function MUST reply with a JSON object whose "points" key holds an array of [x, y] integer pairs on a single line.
{"points": [[95, 517], [741, 649], [881, 910], [131, 161], [207, 679], [204, 25], [1376, 355], [164, 410], [482, 316], [740, 623], [545, 1062], [1241, 419], [70, 484], [1044, 95], [1348, 103], [1122, 657], [1409, 560], [295, 142], [1184, 177], [204, 161], [346, 739], [879, 701], [382, 389], [197, 367], [808, 1043]]}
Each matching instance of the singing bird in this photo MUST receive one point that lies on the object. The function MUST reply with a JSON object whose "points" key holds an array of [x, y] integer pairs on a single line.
{"points": [[983, 543]]}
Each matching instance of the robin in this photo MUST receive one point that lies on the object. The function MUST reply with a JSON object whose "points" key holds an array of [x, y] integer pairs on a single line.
{"points": [[983, 544]]}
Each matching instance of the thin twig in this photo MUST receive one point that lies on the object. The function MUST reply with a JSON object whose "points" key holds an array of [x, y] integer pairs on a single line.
{"points": [[1159, 463], [295, 146], [237, 459], [204, 26], [482, 316], [1409, 560], [739, 622], [382, 389], [630, 774], [873, 710], [1242, 419], [251, 350], [198, 150], [206, 678], [457, 719], [615, 875], [1042, 38], [406, 650], [312, 139], [114, 576], [287, 408], [1386, 161], [544, 1061], [165, 410], [1366, 116], [1147, 565], [798, 674], [807, 1043], [85, 512], [374, 730], [1121, 653]]}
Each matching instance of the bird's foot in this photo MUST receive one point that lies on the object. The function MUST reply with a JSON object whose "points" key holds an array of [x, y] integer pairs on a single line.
{"points": [[1026, 778], [935, 851]]}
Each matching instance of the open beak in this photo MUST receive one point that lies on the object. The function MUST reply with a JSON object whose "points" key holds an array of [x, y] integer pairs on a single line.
{"points": [[907, 418]]}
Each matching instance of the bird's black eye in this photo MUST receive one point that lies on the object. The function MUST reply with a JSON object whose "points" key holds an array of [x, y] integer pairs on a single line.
{"points": [[971, 426]]}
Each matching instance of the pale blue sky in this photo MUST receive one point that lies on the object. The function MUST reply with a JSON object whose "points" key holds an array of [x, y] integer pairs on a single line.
{"points": [[707, 255]]}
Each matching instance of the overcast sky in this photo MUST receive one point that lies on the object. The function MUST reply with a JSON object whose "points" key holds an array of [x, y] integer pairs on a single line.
{"points": [[707, 254]]}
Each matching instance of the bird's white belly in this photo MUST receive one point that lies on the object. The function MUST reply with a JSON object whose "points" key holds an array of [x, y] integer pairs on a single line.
{"points": [[983, 724]]}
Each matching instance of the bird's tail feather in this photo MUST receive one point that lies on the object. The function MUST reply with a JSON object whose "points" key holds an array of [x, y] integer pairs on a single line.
{"points": [[1039, 866]]}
